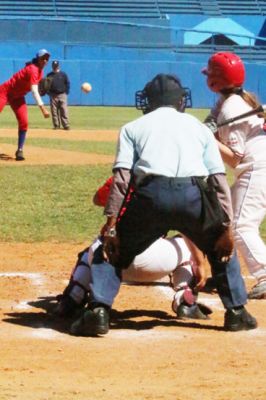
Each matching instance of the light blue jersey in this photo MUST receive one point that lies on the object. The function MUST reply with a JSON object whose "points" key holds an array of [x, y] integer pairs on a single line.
{"points": [[168, 143]]}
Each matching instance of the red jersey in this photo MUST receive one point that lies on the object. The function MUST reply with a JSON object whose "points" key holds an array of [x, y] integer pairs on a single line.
{"points": [[20, 83]]}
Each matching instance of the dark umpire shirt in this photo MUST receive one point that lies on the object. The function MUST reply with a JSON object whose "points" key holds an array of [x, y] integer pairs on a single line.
{"points": [[60, 83]]}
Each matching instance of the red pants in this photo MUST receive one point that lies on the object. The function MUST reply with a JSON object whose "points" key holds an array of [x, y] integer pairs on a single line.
{"points": [[19, 107]]}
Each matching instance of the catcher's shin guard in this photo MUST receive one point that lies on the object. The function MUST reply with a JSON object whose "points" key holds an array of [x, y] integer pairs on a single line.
{"points": [[78, 286]]}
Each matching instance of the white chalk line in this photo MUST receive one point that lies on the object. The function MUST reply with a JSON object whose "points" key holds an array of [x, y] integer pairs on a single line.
{"points": [[178, 333], [36, 278], [49, 334]]}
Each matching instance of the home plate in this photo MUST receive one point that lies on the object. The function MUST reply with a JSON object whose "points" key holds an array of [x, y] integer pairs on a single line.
{"points": [[22, 305]]}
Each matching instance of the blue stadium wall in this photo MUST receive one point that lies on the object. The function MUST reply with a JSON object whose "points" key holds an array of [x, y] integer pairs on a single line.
{"points": [[117, 59]]}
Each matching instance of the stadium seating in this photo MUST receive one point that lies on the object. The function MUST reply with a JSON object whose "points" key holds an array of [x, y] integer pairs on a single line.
{"points": [[113, 39], [99, 8], [180, 7], [262, 5], [254, 54], [154, 9], [239, 7], [27, 8], [108, 8]]}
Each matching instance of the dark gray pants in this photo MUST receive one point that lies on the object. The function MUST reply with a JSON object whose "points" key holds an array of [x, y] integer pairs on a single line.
{"points": [[164, 204], [59, 110]]}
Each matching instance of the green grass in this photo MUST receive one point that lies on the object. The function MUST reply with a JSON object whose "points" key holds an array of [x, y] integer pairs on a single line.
{"points": [[50, 203], [84, 117], [69, 145], [54, 203], [79, 117]]}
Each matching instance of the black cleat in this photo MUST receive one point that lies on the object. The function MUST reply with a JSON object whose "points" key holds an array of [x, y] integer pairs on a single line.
{"points": [[92, 323], [239, 320], [19, 155], [67, 307]]}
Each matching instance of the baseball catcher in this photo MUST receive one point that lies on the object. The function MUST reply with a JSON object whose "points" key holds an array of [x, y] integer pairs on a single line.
{"points": [[165, 258]]}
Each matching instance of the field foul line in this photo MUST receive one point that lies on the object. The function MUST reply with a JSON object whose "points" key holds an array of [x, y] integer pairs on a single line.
{"points": [[36, 278], [47, 334]]}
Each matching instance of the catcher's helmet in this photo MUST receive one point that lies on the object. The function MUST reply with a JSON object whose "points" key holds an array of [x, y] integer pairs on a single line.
{"points": [[224, 70], [163, 90]]}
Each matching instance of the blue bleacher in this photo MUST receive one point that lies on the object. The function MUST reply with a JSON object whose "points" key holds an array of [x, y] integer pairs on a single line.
{"points": [[114, 39], [129, 8], [239, 7], [27, 8], [107, 8]]}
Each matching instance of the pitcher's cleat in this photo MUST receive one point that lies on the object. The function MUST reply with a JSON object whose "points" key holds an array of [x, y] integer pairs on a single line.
{"points": [[19, 155]]}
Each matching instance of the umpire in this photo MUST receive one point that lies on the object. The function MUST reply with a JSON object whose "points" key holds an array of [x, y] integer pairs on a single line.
{"points": [[174, 164], [58, 93]]}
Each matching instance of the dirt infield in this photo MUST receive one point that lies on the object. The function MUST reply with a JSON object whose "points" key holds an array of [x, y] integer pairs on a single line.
{"points": [[41, 156], [148, 353]]}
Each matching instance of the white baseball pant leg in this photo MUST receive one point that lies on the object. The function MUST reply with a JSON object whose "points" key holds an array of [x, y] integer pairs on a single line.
{"points": [[249, 204]]}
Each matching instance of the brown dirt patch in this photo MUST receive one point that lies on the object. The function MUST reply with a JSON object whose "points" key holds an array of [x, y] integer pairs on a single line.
{"points": [[41, 156], [148, 354], [100, 136]]}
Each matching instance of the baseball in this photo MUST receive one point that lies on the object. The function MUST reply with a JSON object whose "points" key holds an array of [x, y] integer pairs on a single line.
{"points": [[86, 87]]}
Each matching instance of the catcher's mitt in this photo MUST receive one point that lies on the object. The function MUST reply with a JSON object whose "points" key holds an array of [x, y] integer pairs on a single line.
{"points": [[45, 85]]}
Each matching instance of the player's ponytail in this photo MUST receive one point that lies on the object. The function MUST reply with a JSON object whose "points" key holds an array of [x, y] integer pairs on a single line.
{"points": [[252, 100], [33, 61]]}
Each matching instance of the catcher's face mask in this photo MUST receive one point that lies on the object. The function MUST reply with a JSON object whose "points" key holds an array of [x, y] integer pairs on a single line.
{"points": [[163, 90]]}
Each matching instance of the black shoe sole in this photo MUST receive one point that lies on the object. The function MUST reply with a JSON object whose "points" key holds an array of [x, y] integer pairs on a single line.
{"points": [[88, 325], [89, 331], [237, 328], [244, 326]]}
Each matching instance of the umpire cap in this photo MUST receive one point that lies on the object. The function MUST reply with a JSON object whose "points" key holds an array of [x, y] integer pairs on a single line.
{"points": [[162, 90], [55, 64]]}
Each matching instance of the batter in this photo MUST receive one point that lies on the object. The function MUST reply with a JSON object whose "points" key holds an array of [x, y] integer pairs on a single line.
{"points": [[243, 147]]}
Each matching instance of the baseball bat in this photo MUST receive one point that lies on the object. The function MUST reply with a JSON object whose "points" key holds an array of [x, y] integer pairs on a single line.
{"points": [[257, 110]]}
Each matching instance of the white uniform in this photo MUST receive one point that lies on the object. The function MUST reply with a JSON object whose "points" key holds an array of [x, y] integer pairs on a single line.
{"points": [[164, 258], [247, 139]]}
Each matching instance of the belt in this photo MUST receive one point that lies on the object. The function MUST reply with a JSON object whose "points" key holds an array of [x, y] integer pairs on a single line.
{"points": [[186, 179]]}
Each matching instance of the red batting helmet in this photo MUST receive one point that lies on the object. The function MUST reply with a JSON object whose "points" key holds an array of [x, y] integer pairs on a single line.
{"points": [[224, 70]]}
